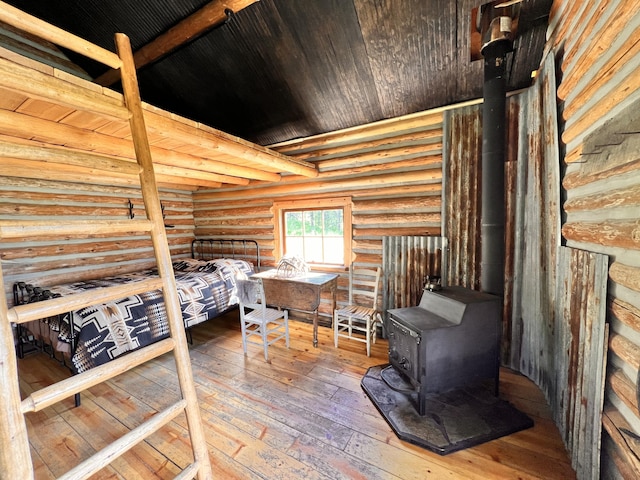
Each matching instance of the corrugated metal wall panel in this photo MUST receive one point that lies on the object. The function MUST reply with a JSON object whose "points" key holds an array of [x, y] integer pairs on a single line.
{"points": [[462, 195], [576, 386], [406, 261], [46, 262], [551, 302], [535, 231], [599, 53]]}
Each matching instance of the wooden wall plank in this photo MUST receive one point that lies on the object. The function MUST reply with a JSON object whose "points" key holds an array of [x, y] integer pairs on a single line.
{"points": [[47, 262]]}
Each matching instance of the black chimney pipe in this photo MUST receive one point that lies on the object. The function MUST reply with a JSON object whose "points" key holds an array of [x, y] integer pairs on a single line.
{"points": [[492, 253]]}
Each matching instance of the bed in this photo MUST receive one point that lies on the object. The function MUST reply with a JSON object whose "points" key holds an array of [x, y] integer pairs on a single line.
{"points": [[95, 335]]}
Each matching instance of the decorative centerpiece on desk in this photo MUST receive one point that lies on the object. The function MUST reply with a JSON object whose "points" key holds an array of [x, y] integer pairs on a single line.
{"points": [[291, 266], [433, 283]]}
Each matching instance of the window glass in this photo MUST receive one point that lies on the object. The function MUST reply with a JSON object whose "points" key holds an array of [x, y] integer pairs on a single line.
{"points": [[317, 235]]}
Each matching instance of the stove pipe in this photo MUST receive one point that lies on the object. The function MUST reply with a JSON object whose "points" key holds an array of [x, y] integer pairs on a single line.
{"points": [[492, 253]]}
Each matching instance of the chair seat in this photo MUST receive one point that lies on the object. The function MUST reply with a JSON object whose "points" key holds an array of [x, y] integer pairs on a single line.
{"points": [[264, 316], [356, 311]]}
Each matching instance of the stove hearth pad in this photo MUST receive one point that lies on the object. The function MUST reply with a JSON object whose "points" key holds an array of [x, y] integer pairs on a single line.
{"points": [[452, 420]]}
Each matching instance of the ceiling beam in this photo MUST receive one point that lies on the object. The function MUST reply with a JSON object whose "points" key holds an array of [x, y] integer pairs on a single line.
{"points": [[212, 14]]}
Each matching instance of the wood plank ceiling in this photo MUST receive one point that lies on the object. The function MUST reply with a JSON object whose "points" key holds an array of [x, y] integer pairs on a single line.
{"points": [[284, 69]]}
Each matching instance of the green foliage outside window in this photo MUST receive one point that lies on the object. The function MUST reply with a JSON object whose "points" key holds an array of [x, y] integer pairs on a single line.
{"points": [[316, 235]]}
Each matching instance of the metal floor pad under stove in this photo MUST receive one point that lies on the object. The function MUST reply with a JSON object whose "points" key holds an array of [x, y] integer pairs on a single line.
{"points": [[453, 420]]}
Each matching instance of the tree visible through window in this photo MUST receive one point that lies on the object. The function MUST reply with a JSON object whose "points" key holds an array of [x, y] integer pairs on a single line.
{"points": [[316, 235]]}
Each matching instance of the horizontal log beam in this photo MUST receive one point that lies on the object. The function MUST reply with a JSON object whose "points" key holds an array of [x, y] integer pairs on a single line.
{"points": [[624, 197], [218, 141], [625, 275], [432, 133], [212, 14], [623, 234], [57, 155], [341, 185], [578, 125], [390, 155], [23, 229], [197, 175], [36, 131], [36, 84], [355, 134], [626, 313], [21, 168], [216, 197], [162, 156], [624, 388]]}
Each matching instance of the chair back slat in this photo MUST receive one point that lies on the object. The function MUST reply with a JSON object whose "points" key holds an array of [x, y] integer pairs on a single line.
{"points": [[364, 282]]}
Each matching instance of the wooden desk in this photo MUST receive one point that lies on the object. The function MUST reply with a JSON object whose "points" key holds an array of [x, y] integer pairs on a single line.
{"points": [[299, 293]]}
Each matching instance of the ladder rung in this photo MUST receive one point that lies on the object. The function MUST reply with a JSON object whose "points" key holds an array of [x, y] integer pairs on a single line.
{"points": [[124, 443], [65, 388], [34, 228], [189, 472], [55, 306], [35, 26]]}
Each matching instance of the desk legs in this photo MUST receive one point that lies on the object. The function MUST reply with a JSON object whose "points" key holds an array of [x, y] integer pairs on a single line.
{"points": [[315, 328], [332, 289]]}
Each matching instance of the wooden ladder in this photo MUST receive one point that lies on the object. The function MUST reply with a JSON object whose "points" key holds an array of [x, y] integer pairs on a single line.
{"points": [[15, 457]]}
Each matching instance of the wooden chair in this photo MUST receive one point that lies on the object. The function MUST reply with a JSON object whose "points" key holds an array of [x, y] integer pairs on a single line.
{"points": [[269, 324], [361, 315]]}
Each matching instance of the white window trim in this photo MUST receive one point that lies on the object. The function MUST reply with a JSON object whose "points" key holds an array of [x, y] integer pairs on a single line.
{"points": [[306, 204]]}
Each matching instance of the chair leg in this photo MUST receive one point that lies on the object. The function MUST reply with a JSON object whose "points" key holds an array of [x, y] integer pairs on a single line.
{"points": [[264, 328], [286, 327], [243, 327], [368, 336], [335, 329]]}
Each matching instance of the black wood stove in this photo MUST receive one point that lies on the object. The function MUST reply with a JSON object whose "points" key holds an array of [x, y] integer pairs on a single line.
{"points": [[450, 340], [440, 387]]}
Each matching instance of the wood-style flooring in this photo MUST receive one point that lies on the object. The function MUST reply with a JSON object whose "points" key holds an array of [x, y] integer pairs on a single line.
{"points": [[303, 415]]}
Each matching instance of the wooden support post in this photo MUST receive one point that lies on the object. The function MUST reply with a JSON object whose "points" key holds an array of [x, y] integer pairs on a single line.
{"points": [[15, 457]]}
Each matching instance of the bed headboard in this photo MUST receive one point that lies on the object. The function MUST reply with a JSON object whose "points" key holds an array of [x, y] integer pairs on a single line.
{"points": [[211, 248]]}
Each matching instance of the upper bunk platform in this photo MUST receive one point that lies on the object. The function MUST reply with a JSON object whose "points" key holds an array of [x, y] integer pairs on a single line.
{"points": [[58, 126]]}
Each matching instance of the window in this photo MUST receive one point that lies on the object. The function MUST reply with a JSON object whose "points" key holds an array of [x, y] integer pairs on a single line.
{"points": [[317, 230]]}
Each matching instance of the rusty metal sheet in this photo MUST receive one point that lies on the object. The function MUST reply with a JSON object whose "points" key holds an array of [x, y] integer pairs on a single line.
{"points": [[462, 195], [406, 261]]}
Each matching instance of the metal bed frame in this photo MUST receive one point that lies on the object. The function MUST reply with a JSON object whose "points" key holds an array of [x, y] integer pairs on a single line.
{"points": [[237, 248]]}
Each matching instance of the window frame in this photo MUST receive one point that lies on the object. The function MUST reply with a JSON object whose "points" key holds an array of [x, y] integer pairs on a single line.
{"points": [[313, 204]]}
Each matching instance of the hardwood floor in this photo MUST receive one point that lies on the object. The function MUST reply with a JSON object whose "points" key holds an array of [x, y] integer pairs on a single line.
{"points": [[303, 415]]}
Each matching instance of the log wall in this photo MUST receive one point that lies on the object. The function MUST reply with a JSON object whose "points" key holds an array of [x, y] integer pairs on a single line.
{"points": [[44, 262], [597, 49], [390, 169]]}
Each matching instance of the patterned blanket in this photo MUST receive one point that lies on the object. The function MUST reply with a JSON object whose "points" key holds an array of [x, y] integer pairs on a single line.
{"points": [[102, 332]]}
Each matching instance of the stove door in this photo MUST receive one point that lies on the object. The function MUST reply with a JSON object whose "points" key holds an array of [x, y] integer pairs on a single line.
{"points": [[404, 350]]}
